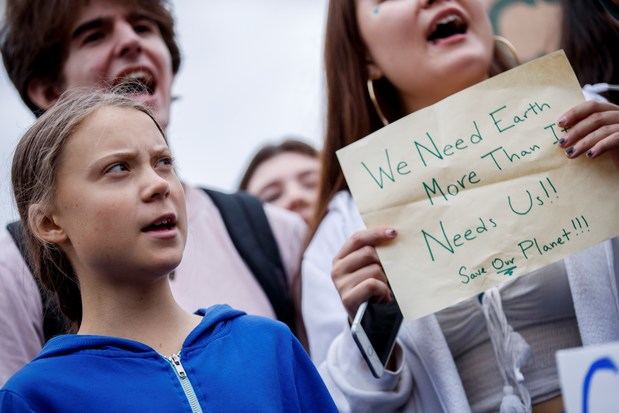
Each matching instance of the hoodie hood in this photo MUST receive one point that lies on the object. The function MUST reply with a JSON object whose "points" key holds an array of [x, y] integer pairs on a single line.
{"points": [[214, 324]]}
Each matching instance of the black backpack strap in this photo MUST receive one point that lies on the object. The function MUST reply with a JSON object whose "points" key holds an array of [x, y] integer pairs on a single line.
{"points": [[252, 236], [54, 322]]}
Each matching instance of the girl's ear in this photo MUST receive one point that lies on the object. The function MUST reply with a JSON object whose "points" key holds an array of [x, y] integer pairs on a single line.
{"points": [[42, 93], [374, 72], [44, 227]]}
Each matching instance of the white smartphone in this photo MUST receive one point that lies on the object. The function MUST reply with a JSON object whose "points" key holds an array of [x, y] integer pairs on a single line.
{"points": [[375, 329]]}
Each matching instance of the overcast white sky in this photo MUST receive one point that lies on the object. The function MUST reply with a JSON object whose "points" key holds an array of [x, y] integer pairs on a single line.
{"points": [[251, 72]]}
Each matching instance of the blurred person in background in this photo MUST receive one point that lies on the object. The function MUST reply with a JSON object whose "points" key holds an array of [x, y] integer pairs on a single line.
{"points": [[285, 175]]}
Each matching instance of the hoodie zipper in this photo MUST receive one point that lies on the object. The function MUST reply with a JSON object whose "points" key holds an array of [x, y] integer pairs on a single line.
{"points": [[175, 361]]}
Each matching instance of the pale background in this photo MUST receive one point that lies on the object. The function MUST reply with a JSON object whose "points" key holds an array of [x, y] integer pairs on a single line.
{"points": [[252, 72]]}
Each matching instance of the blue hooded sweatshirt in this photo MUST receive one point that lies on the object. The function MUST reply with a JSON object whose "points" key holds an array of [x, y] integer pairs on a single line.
{"points": [[231, 362]]}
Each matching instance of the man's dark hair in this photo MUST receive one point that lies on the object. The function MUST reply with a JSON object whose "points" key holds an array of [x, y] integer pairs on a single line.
{"points": [[34, 38]]}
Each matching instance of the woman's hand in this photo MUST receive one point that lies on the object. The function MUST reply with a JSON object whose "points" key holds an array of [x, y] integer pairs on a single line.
{"points": [[593, 129], [357, 273]]}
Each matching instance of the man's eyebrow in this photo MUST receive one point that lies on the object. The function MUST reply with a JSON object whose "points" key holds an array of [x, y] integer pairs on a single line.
{"points": [[89, 25], [137, 15]]}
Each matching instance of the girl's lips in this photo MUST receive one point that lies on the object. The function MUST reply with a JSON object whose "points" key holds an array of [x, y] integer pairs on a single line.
{"points": [[162, 233], [163, 227], [449, 40]]}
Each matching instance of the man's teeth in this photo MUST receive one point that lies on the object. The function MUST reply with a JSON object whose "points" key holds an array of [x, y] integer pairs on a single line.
{"points": [[138, 75], [452, 18]]}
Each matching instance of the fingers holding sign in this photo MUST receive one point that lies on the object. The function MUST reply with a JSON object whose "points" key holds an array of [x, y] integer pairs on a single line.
{"points": [[593, 130], [357, 272]]}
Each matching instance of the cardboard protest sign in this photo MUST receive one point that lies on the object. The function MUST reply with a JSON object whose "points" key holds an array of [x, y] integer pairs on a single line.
{"points": [[590, 378], [478, 188]]}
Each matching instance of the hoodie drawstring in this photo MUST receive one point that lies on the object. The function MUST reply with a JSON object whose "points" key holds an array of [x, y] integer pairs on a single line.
{"points": [[511, 352]]}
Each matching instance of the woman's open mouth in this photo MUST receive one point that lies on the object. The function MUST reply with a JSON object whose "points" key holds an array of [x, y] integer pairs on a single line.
{"points": [[447, 26]]}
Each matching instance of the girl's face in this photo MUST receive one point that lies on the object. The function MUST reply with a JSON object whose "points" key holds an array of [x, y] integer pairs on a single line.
{"points": [[288, 180], [118, 199], [427, 49]]}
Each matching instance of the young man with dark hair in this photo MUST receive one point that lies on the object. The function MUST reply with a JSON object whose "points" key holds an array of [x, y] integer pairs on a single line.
{"points": [[49, 46]]}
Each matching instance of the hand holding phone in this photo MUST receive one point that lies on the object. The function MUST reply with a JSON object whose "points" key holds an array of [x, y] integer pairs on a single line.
{"points": [[375, 329], [363, 287], [357, 272]]}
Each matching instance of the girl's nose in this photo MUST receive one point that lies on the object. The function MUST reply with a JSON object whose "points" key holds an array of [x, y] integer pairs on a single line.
{"points": [[156, 188], [295, 198]]}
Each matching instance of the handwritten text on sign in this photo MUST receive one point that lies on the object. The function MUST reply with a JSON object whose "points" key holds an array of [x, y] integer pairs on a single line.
{"points": [[478, 188]]}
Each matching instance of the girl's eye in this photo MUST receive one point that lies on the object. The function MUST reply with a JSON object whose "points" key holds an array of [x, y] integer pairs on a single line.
{"points": [[165, 161], [273, 197], [310, 182], [117, 168], [309, 179], [271, 193]]}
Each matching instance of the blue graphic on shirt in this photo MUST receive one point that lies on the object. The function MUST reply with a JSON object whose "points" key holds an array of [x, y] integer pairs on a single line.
{"points": [[604, 363]]}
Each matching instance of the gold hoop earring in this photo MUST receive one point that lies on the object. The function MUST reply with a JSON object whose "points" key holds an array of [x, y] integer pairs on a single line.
{"points": [[370, 85], [506, 50]]}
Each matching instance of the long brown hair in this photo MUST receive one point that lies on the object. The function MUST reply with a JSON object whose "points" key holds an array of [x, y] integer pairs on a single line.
{"points": [[33, 175], [350, 113], [590, 39]]}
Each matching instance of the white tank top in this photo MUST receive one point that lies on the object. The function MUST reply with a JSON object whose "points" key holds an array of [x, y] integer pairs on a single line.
{"points": [[539, 307]]}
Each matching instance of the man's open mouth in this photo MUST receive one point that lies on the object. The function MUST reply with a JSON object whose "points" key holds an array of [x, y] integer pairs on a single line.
{"points": [[135, 81]]}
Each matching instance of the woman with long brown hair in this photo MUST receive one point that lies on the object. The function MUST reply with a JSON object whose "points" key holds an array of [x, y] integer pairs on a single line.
{"points": [[384, 60]]}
